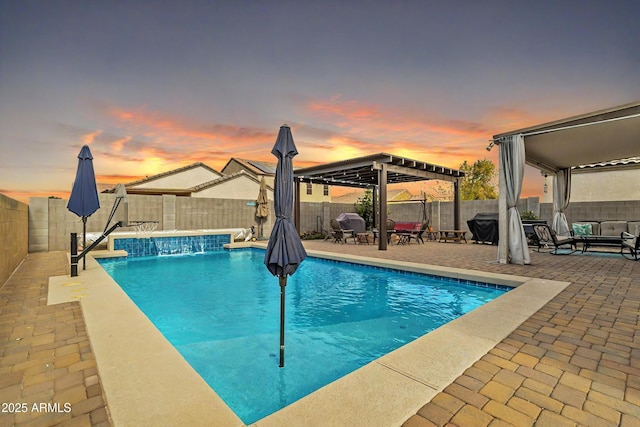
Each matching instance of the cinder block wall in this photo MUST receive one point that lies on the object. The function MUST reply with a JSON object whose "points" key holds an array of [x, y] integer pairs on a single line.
{"points": [[440, 213], [61, 222], [50, 223], [596, 211], [194, 213], [14, 232]]}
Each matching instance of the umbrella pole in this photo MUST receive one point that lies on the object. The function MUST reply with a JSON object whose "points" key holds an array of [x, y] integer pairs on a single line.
{"points": [[84, 241], [282, 280]]}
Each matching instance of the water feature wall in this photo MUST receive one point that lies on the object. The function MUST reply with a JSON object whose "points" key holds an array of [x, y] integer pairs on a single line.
{"points": [[171, 245]]}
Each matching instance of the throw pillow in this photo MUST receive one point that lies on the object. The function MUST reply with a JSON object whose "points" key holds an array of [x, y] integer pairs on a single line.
{"points": [[581, 229]]}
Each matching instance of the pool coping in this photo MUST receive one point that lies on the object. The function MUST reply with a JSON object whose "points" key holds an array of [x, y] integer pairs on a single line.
{"points": [[140, 389]]}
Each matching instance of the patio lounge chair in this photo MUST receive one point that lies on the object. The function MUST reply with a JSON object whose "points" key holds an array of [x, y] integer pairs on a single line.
{"points": [[630, 243], [405, 237], [340, 234], [548, 238]]}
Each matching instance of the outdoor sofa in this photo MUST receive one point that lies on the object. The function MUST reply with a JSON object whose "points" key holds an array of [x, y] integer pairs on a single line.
{"points": [[603, 233]]}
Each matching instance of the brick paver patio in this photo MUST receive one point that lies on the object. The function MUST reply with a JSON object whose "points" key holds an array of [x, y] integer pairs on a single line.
{"points": [[576, 362], [45, 354]]}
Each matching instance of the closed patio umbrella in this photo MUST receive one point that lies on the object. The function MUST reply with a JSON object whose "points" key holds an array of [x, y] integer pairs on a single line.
{"points": [[84, 200], [262, 210], [284, 250]]}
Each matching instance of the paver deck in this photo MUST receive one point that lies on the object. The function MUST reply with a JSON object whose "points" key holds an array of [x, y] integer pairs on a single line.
{"points": [[575, 362], [48, 374]]}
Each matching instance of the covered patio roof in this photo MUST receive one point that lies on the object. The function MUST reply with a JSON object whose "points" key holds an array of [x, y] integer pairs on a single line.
{"points": [[379, 170], [600, 136], [604, 135]]}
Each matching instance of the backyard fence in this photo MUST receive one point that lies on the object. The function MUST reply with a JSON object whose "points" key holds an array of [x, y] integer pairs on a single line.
{"points": [[50, 223]]}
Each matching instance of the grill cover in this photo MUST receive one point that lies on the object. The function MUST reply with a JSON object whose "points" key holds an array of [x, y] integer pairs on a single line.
{"points": [[352, 221], [484, 227]]}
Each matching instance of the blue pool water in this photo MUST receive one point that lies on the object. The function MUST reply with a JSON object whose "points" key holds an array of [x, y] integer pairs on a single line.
{"points": [[221, 311]]}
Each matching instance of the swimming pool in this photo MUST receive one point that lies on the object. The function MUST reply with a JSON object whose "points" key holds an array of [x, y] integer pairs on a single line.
{"points": [[339, 317]]}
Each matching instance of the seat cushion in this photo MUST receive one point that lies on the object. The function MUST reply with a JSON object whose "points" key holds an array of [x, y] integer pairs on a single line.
{"points": [[613, 228], [634, 227]]}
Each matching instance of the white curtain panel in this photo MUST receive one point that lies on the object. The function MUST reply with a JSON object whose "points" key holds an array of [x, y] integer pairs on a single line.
{"points": [[512, 157], [561, 193]]}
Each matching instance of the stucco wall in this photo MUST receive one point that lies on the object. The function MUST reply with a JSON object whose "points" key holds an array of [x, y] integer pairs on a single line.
{"points": [[14, 234], [621, 183], [241, 187]]}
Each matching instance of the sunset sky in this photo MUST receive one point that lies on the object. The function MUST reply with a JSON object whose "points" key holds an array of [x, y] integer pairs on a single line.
{"points": [[154, 85]]}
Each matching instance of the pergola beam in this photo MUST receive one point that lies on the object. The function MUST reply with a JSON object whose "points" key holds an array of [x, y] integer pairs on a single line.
{"points": [[421, 175]]}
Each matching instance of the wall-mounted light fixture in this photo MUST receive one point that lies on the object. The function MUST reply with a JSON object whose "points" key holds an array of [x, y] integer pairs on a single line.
{"points": [[490, 146], [546, 187]]}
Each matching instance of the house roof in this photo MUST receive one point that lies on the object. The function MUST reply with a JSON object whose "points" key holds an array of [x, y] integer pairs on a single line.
{"points": [[600, 136], [154, 191], [254, 166], [170, 173], [226, 178]]}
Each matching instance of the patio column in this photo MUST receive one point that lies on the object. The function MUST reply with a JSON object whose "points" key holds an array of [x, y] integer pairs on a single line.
{"points": [[374, 206], [382, 229], [456, 204]]}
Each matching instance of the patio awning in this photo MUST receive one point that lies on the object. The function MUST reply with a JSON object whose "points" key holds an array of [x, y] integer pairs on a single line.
{"points": [[600, 136], [379, 170]]}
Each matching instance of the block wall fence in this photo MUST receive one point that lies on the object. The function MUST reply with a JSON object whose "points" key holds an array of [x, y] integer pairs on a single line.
{"points": [[50, 223], [14, 226]]}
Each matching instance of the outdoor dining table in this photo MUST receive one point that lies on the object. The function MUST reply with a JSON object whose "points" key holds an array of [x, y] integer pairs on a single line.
{"points": [[452, 235]]}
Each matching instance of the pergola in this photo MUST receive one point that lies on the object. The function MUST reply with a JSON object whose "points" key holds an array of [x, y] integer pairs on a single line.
{"points": [[556, 147], [376, 171]]}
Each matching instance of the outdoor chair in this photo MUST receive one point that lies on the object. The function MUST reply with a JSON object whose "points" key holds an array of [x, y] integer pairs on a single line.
{"points": [[547, 238], [405, 237], [340, 234], [630, 243]]}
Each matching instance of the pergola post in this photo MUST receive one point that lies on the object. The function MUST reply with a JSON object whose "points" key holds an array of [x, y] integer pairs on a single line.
{"points": [[456, 204], [374, 207], [382, 229]]}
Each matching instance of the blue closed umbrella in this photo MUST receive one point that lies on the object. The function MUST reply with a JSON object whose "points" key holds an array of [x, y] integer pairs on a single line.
{"points": [[284, 250], [84, 200]]}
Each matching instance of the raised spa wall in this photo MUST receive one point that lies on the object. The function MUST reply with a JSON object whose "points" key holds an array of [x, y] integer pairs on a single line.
{"points": [[163, 243]]}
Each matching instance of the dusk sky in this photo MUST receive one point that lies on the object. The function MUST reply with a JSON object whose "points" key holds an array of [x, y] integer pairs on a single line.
{"points": [[154, 85]]}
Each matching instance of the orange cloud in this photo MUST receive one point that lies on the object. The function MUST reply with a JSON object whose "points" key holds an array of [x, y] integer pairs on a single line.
{"points": [[119, 144], [157, 141], [178, 130], [90, 137], [345, 110], [415, 134]]}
